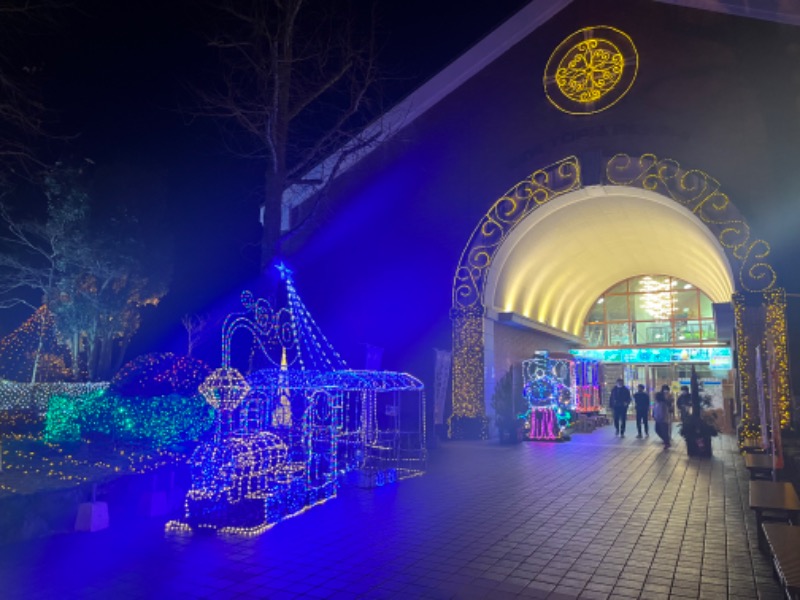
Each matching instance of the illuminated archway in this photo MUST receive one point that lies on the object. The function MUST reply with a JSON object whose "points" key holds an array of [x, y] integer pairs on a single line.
{"points": [[558, 260], [550, 246]]}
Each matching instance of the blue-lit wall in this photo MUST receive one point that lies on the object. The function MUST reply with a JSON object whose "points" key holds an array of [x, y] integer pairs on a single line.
{"points": [[714, 92]]}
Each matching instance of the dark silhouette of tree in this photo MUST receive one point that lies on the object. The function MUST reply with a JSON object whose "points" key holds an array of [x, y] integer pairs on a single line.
{"points": [[297, 86], [22, 113]]}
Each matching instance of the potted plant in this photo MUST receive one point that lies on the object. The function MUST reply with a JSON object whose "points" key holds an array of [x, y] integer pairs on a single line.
{"points": [[698, 426], [506, 409]]}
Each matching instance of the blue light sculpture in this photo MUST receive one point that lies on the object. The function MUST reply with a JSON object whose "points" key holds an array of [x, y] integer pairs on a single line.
{"points": [[287, 436]]}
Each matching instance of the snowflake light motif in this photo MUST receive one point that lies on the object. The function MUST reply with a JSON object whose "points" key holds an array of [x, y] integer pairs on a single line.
{"points": [[590, 70]]}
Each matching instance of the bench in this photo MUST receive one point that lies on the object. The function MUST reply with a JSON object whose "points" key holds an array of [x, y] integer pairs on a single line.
{"points": [[759, 465], [776, 498], [783, 542]]}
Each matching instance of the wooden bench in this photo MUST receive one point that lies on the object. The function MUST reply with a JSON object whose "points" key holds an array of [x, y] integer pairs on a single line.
{"points": [[776, 498], [783, 542], [759, 465]]}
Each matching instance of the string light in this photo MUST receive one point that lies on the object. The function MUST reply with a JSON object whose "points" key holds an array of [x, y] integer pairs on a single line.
{"points": [[548, 391], [694, 189], [34, 345], [591, 70], [777, 344], [468, 420], [34, 397], [160, 422], [285, 437], [26, 461], [544, 424], [118, 412]]}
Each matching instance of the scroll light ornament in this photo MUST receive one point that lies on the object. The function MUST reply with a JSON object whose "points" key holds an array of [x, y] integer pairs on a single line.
{"points": [[700, 193]]}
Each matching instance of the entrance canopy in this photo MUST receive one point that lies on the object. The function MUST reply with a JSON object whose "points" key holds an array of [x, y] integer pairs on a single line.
{"points": [[559, 259]]}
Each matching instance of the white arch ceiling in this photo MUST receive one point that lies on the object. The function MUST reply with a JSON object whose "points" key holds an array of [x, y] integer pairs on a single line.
{"points": [[558, 260]]}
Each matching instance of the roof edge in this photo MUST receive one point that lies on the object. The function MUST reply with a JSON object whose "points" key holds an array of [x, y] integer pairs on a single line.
{"points": [[429, 94], [786, 12]]}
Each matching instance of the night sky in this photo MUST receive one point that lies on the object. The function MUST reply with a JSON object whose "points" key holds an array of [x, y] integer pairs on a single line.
{"points": [[117, 76]]}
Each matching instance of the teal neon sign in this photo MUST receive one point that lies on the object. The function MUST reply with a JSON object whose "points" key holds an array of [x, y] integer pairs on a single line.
{"points": [[719, 358]]}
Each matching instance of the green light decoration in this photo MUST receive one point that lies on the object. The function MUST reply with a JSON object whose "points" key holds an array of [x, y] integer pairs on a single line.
{"points": [[126, 413], [160, 422]]}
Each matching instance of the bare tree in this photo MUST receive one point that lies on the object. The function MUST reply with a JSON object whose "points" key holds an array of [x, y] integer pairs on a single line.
{"points": [[36, 257], [298, 81], [93, 278], [21, 112], [193, 324]]}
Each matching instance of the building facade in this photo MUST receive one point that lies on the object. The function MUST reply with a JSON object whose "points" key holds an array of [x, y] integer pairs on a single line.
{"points": [[609, 177]]}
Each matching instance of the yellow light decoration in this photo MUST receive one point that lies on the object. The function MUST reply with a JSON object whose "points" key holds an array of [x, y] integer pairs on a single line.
{"points": [[748, 428], [468, 363], [776, 337], [19, 356], [25, 455], [468, 285], [701, 193], [591, 70], [693, 189]]}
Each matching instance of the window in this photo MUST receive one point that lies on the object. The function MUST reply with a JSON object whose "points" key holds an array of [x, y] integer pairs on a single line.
{"points": [[651, 310]]}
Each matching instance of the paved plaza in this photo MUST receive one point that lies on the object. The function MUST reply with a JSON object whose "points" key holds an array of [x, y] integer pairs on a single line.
{"points": [[596, 517]]}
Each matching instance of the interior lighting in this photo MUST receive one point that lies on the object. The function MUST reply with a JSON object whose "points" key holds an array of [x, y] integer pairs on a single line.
{"points": [[657, 298]]}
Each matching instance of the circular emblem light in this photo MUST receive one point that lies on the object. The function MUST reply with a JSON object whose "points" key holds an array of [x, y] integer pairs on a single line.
{"points": [[591, 70]]}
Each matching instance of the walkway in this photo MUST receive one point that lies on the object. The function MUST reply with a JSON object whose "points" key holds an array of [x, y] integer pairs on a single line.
{"points": [[598, 517]]}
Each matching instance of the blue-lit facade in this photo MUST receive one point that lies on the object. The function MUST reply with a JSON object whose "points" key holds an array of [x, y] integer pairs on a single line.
{"points": [[497, 212]]}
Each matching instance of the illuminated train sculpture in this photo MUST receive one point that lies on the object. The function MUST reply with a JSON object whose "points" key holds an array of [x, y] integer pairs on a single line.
{"points": [[557, 386], [287, 436]]}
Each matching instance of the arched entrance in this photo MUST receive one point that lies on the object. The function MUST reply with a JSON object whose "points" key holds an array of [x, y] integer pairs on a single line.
{"points": [[550, 246]]}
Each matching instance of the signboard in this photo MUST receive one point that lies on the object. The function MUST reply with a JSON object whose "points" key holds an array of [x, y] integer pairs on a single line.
{"points": [[710, 387], [719, 358]]}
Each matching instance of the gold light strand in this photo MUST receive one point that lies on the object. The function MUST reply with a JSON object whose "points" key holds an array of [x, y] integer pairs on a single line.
{"points": [[776, 331], [748, 429], [468, 363]]}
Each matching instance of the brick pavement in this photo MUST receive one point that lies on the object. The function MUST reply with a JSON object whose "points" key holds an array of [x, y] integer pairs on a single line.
{"points": [[597, 517]]}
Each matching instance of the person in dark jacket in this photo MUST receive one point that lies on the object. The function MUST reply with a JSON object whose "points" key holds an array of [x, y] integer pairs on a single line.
{"points": [[684, 401], [661, 415], [642, 401], [619, 401]]}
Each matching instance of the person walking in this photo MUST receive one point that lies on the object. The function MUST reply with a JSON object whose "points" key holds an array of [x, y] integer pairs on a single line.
{"points": [[619, 401], [661, 416], [642, 401]]}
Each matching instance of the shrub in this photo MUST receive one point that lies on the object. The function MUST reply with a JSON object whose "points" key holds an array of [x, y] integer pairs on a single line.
{"points": [[158, 422], [159, 374]]}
